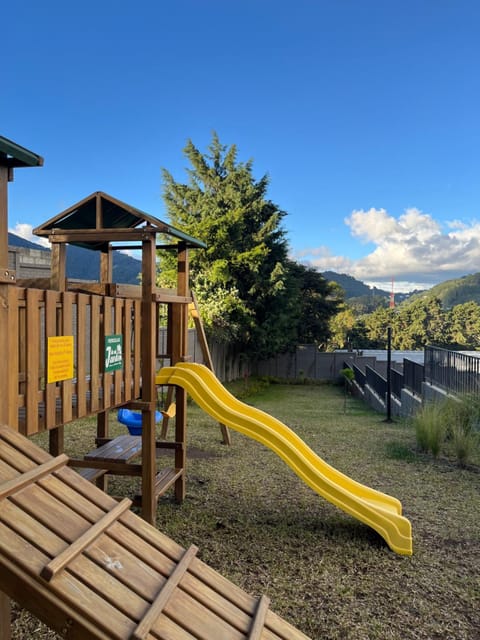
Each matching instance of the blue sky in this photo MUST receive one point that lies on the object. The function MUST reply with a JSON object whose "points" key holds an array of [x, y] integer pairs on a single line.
{"points": [[364, 114]]}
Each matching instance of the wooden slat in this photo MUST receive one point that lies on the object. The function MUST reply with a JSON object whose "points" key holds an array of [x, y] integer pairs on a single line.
{"points": [[137, 348], [127, 349], [16, 484], [107, 330], [90, 474], [95, 352], [32, 359], [12, 331], [67, 330], [165, 594], [68, 589], [122, 449], [58, 563], [82, 301], [258, 623], [118, 375]]}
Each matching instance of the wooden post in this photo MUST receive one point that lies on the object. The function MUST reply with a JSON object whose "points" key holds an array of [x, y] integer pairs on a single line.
{"points": [[58, 281], [4, 174], [5, 617], [179, 350], [148, 351]]}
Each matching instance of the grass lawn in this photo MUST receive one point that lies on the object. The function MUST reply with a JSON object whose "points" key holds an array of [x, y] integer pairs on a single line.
{"points": [[326, 573]]}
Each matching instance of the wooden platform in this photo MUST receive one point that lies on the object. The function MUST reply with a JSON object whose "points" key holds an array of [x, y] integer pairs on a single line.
{"points": [[89, 568]]}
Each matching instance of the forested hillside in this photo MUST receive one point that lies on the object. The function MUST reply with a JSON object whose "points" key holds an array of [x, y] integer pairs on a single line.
{"points": [[453, 292]]}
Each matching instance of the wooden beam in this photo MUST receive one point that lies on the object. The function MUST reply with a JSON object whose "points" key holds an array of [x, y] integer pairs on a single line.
{"points": [[3, 218], [148, 352]]}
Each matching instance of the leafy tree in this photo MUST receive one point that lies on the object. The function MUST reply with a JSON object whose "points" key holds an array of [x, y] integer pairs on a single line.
{"points": [[243, 280], [376, 327], [319, 300], [464, 325], [420, 323], [341, 325]]}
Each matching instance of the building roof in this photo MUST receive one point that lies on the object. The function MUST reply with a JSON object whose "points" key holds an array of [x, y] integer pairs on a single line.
{"points": [[101, 218], [13, 155]]}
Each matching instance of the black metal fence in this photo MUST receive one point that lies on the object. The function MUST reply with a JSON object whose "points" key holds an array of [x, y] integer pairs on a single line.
{"points": [[360, 377], [376, 382], [413, 376], [396, 383], [453, 371]]}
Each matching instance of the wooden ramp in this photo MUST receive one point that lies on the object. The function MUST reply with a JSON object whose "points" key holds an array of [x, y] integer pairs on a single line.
{"points": [[89, 568]]}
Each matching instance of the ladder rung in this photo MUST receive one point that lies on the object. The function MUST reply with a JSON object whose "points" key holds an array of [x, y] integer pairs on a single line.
{"points": [[12, 486], [258, 622], [157, 606], [72, 551]]}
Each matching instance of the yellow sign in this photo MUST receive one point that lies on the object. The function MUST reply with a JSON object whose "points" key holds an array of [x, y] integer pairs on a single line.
{"points": [[60, 358]]}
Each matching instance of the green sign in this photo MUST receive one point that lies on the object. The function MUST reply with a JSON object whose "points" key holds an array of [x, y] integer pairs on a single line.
{"points": [[113, 352]]}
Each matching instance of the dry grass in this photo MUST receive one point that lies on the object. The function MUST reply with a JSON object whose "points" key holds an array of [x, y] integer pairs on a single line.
{"points": [[328, 574]]}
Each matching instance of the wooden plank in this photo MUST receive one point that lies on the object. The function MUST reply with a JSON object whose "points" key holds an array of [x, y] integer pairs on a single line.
{"points": [[82, 328], [179, 350], [67, 330], [148, 355], [137, 348], [107, 329], [164, 596], [61, 561], [13, 336], [122, 449], [27, 478], [90, 474], [68, 589], [32, 359], [118, 376], [95, 344], [127, 349], [258, 622]]}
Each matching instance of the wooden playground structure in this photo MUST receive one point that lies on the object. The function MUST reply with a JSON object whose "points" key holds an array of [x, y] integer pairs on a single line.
{"points": [[57, 338]]}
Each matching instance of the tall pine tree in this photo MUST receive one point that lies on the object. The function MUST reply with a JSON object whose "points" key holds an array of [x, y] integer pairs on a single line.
{"points": [[242, 280]]}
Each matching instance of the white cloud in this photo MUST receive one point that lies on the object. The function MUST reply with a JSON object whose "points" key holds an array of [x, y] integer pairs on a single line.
{"points": [[24, 230], [413, 249]]}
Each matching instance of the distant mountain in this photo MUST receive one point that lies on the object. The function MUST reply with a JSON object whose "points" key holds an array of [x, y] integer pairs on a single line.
{"points": [[354, 288], [360, 295], [17, 241], [83, 264]]}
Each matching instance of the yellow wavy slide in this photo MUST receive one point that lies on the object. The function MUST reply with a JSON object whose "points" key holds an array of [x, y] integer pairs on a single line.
{"points": [[381, 512]]}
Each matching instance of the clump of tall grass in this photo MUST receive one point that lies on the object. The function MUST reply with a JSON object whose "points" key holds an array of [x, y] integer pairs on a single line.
{"points": [[463, 416], [454, 422], [430, 428]]}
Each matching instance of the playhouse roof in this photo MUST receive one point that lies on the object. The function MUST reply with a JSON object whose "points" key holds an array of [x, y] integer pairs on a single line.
{"points": [[100, 218], [13, 155]]}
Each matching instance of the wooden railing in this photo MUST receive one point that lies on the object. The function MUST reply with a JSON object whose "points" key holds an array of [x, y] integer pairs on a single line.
{"points": [[34, 315]]}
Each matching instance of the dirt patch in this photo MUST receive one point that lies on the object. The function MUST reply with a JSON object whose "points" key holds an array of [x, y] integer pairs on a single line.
{"points": [[192, 453]]}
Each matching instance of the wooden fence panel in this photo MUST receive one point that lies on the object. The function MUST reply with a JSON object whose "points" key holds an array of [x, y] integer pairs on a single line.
{"points": [[81, 360], [32, 359], [13, 365]]}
